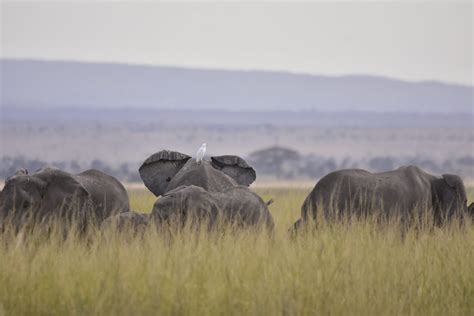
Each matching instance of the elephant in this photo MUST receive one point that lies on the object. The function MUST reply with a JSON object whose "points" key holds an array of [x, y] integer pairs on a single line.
{"points": [[203, 189], [236, 206], [50, 192], [406, 191], [137, 222]]}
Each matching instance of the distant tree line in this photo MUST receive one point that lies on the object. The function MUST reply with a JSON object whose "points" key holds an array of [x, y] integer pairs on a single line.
{"points": [[124, 172], [286, 163], [276, 162]]}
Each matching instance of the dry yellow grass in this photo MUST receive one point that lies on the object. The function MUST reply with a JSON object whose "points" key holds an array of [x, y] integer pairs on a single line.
{"points": [[356, 269]]}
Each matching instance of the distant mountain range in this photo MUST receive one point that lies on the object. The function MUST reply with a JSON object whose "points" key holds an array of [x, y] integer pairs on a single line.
{"points": [[33, 84]]}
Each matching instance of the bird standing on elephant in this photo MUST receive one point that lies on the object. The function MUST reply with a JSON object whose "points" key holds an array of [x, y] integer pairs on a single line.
{"points": [[201, 153]]}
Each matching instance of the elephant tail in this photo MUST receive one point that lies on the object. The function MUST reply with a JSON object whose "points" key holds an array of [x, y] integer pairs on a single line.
{"points": [[269, 202]]}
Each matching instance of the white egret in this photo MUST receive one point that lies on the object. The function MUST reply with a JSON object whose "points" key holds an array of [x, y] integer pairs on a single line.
{"points": [[200, 153]]}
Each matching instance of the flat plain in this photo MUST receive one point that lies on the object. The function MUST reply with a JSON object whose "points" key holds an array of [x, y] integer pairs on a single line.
{"points": [[355, 268]]}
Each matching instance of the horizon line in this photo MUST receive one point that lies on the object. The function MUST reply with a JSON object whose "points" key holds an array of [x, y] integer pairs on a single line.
{"points": [[241, 70], [5, 108]]}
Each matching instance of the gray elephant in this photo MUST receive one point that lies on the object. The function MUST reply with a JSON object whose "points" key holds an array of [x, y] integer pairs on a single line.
{"points": [[407, 192], [134, 221], [210, 189], [50, 192], [237, 206]]}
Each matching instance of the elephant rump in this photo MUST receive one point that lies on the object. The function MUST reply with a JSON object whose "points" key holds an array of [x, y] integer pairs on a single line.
{"points": [[236, 206]]}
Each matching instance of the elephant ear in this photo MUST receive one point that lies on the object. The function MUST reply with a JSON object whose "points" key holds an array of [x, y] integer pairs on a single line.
{"points": [[236, 168], [158, 170], [63, 194]]}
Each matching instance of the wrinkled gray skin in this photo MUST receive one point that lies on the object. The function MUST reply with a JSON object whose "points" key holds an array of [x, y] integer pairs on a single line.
{"points": [[50, 192], [207, 189], [405, 191], [236, 206]]}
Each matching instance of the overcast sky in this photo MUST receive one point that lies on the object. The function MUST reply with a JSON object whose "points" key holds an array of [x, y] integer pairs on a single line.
{"points": [[423, 41]]}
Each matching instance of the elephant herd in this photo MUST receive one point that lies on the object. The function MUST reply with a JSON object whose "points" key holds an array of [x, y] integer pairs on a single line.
{"points": [[217, 191]]}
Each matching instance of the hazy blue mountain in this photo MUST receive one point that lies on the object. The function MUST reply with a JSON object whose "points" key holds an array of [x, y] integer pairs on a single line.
{"points": [[52, 84]]}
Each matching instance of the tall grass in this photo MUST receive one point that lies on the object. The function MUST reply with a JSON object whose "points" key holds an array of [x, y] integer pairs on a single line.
{"points": [[337, 269]]}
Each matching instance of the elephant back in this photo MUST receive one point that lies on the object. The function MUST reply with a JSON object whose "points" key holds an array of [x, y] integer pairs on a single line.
{"points": [[202, 175], [244, 207], [107, 194], [186, 203]]}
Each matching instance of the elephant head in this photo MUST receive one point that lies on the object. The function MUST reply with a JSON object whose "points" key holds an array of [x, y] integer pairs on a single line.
{"points": [[42, 195], [168, 170], [451, 196]]}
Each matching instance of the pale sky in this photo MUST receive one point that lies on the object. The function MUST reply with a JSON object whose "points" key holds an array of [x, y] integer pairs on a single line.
{"points": [[406, 40]]}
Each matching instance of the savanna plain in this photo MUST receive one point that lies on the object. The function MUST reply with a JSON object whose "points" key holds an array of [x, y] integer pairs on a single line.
{"points": [[356, 268]]}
